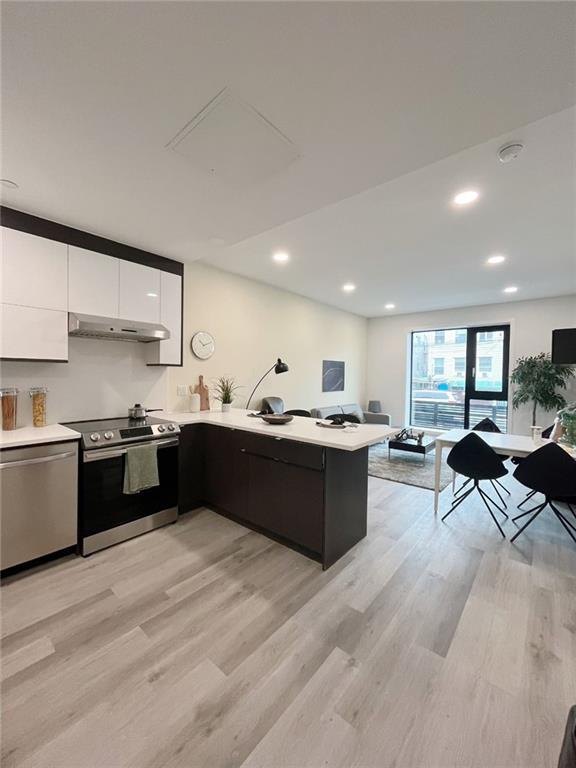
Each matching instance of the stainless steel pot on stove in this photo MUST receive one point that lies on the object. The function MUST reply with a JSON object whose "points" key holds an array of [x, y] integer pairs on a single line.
{"points": [[139, 412]]}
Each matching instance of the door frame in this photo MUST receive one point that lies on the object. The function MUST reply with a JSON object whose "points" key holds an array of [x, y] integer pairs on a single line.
{"points": [[470, 393]]}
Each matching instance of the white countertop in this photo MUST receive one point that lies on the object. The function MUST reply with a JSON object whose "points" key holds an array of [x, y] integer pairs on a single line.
{"points": [[301, 429], [54, 433]]}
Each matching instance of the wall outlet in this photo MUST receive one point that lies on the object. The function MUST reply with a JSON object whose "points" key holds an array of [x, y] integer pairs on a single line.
{"points": [[181, 390]]}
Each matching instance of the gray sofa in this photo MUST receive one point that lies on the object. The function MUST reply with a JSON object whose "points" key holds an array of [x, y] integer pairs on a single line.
{"points": [[365, 416]]}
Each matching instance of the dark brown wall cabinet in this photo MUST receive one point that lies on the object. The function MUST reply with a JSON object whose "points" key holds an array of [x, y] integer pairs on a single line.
{"points": [[310, 498]]}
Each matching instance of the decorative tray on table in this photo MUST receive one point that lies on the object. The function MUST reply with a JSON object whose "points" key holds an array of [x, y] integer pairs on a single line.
{"points": [[277, 418]]}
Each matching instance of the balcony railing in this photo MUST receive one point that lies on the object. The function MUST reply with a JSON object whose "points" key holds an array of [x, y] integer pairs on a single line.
{"points": [[451, 415]]}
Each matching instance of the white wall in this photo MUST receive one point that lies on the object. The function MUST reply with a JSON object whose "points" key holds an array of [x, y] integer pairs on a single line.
{"points": [[253, 324], [102, 379], [531, 325]]}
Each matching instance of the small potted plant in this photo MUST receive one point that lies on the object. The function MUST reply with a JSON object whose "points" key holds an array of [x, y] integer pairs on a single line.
{"points": [[224, 390]]}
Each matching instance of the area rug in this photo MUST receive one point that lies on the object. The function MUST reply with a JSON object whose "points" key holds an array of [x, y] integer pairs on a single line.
{"points": [[406, 468]]}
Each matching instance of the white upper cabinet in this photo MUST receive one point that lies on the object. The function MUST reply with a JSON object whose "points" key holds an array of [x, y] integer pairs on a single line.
{"points": [[42, 280], [169, 352], [93, 283], [30, 333], [34, 271], [139, 292]]}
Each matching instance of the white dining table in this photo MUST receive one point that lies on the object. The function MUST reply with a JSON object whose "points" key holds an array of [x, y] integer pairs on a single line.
{"points": [[504, 444]]}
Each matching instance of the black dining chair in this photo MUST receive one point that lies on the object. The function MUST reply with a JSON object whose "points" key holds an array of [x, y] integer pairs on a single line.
{"points": [[545, 433], [551, 472], [487, 425], [298, 412], [475, 459], [567, 757], [518, 459], [570, 502]]}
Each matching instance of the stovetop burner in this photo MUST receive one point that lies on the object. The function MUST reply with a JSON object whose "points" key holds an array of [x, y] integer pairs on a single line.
{"points": [[105, 432], [121, 423]]}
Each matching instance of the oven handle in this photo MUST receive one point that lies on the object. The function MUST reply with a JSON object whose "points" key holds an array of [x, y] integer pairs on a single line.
{"points": [[101, 455]]}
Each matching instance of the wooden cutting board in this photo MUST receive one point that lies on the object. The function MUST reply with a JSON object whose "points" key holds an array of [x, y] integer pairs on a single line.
{"points": [[204, 393]]}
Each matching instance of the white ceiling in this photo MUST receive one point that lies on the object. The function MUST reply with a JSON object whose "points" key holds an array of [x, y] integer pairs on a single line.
{"points": [[404, 242], [366, 92]]}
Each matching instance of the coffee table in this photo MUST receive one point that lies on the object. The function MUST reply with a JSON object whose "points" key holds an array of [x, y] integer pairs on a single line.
{"points": [[411, 446]]}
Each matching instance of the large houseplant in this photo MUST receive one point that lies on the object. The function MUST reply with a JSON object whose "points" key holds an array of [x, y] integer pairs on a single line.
{"points": [[537, 379]]}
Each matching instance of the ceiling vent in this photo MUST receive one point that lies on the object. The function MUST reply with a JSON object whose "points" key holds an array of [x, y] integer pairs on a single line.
{"points": [[230, 140]]}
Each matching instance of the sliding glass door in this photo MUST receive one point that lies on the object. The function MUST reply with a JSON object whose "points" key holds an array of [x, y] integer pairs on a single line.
{"points": [[459, 376]]}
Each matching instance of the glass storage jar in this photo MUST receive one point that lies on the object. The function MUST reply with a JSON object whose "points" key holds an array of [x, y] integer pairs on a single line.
{"points": [[9, 397], [38, 395]]}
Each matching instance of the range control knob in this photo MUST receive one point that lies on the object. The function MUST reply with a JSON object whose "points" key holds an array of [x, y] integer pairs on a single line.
{"points": [[161, 428], [95, 437], [171, 427], [108, 435]]}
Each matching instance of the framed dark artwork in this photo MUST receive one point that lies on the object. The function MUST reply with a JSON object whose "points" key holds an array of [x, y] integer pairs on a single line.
{"points": [[332, 376]]}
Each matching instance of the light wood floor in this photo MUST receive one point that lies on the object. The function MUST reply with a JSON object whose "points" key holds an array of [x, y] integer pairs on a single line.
{"points": [[204, 645]]}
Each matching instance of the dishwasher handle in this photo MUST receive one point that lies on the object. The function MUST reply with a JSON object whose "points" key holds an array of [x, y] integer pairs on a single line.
{"points": [[38, 460]]}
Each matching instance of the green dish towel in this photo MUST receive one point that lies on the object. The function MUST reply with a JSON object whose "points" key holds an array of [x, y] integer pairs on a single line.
{"points": [[140, 468]]}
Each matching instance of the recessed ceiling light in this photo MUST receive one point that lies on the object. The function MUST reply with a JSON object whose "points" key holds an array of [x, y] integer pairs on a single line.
{"points": [[389, 306], [498, 258], [511, 289], [466, 197], [152, 295], [348, 287], [8, 184], [281, 257]]}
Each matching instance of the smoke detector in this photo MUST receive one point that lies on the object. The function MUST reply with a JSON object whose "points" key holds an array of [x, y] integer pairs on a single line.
{"points": [[509, 152]]}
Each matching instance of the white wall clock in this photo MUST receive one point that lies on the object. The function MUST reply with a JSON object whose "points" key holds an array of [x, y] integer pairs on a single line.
{"points": [[202, 345]]}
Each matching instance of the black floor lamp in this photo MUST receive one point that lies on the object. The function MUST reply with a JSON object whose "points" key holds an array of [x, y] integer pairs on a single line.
{"points": [[278, 367]]}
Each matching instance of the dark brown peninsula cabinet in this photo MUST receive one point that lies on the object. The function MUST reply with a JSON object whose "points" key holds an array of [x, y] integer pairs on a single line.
{"points": [[311, 498]]}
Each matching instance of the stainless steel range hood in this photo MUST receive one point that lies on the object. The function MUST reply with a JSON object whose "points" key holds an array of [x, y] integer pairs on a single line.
{"points": [[112, 328]]}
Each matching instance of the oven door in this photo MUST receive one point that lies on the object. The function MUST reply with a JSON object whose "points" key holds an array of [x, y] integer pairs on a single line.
{"points": [[104, 506]]}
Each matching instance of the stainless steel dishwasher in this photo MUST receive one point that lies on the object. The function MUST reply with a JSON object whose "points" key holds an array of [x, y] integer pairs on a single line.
{"points": [[39, 501]]}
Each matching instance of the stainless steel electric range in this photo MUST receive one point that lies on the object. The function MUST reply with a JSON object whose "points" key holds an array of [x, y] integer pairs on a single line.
{"points": [[106, 515]]}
